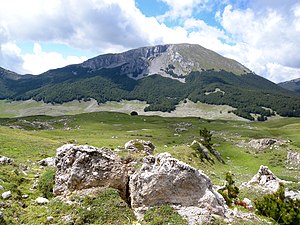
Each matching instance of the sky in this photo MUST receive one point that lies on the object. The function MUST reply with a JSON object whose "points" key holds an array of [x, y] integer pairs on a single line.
{"points": [[38, 35]]}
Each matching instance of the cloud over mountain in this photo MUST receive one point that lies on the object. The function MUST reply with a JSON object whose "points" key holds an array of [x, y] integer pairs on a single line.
{"points": [[261, 35]]}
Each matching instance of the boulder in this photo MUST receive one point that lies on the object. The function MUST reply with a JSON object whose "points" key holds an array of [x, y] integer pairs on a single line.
{"points": [[292, 194], [261, 144], [166, 180], [293, 158], [82, 167], [265, 179], [50, 161], [140, 146], [5, 160]]}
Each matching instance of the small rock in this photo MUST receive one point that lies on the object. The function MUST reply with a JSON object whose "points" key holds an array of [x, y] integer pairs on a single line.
{"points": [[6, 195], [24, 196], [41, 200], [50, 161], [68, 219], [1, 188], [140, 146], [292, 194], [50, 218], [248, 203], [5, 160]]}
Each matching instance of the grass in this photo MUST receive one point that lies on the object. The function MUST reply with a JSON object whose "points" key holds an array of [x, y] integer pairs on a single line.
{"points": [[29, 139]]}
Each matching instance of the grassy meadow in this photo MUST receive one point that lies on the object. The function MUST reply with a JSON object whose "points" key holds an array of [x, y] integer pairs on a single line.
{"points": [[29, 139]]}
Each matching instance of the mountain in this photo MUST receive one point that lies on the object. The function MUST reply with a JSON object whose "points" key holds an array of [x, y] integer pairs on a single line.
{"points": [[292, 85], [162, 76]]}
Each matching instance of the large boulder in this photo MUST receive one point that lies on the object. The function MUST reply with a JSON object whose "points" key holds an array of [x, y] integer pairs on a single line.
{"points": [[83, 167], [140, 146], [166, 180]]}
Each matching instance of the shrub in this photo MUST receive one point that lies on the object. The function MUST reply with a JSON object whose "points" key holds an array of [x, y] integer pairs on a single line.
{"points": [[229, 191], [163, 214], [283, 211], [46, 183]]}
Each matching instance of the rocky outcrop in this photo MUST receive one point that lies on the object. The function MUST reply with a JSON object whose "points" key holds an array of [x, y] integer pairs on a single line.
{"points": [[166, 180], [140, 146], [261, 144], [293, 158], [83, 167], [265, 180], [5, 160]]}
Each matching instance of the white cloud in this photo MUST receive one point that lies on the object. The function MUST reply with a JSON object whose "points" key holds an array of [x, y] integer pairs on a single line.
{"points": [[264, 41], [280, 73], [183, 9], [263, 35], [40, 61]]}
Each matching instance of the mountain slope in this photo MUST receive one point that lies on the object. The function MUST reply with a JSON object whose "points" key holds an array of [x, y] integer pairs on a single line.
{"points": [[292, 85], [162, 76], [174, 61]]}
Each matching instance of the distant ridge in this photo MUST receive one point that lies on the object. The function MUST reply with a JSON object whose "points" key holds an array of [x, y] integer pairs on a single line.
{"points": [[292, 85], [161, 75]]}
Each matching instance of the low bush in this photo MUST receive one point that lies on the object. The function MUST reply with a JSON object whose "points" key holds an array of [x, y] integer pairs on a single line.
{"points": [[283, 211], [46, 183]]}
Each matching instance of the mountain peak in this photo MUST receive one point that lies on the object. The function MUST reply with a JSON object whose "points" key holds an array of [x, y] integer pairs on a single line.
{"points": [[171, 60]]}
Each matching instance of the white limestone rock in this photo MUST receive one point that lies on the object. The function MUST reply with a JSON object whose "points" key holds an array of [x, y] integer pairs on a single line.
{"points": [[166, 180], [6, 195], [83, 167], [41, 200], [140, 146]]}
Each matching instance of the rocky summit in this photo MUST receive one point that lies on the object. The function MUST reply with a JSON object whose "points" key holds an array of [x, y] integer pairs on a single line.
{"points": [[174, 61]]}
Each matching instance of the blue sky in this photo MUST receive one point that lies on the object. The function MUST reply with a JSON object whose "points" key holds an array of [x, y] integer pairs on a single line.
{"points": [[38, 35]]}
